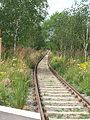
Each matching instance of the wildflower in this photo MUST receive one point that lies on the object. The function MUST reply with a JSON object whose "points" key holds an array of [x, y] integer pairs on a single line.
{"points": [[78, 64], [2, 62], [14, 59], [20, 70], [83, 66], [6, 81], [2, 73], [13, 64]]}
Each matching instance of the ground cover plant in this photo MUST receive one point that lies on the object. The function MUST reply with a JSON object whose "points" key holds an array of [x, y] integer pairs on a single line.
{"points": [[14, 81], [77, 73], [15, 73]]}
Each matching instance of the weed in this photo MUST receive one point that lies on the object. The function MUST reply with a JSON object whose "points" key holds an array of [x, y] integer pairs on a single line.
{"points": [[76, 73]]}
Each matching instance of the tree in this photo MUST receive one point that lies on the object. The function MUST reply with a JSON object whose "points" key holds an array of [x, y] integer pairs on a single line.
{"points": [[69, 30], [20, 20]]}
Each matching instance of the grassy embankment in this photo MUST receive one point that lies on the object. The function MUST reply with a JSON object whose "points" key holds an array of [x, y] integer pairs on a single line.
{"points": [[15, 77], [77, 73]]}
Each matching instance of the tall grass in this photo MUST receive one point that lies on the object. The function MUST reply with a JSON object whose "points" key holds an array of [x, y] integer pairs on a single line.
{"points": [[75, 72], [14, 81], [15, 76]]}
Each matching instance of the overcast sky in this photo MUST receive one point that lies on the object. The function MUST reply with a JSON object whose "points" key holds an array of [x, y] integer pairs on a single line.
{"points": [[59, 5]]}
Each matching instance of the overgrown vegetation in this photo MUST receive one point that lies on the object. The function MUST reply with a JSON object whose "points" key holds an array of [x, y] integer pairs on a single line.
{"points": [[20, 22], [20, 26], [14, 81], [77, 73], [15, 73], [68, 32]]}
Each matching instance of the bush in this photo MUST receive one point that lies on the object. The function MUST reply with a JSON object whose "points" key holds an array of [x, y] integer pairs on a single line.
{"points": [[20, 85], [80, 79], [58, 63], [14, 82], [30, 56], [76, 73], [15, 76]]}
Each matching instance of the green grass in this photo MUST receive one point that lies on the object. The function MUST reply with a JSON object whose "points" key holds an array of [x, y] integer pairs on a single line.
{"points": [[74, 71], [15, 73], [14, 82]]}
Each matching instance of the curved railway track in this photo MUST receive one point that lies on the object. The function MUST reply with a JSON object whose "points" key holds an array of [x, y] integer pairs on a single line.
{"points": [[55, 98]]}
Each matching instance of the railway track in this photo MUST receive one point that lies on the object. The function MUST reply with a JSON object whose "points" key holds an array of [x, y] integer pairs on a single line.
{"points": [[55, 98]]}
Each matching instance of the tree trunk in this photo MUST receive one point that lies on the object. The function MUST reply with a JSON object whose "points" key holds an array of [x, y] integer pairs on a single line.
{"points": [[15, 37], [85, 51], [0, 48], [71, 51], [64, 51], [86, 45], [61, 48], [0, 44]]}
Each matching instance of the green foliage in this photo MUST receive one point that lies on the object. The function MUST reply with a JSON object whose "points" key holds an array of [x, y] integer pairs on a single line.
{"points": [[3, 94], [20, 22], [15, 76], [80, 79], [72, 75], [69, 31], [75, 72], [14, 82], [58, 63], [20, 85], [31, 56]]}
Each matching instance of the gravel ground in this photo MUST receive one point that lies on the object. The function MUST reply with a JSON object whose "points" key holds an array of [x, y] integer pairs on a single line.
{"points": [[86, 97], [55, 94], [30, 103]]}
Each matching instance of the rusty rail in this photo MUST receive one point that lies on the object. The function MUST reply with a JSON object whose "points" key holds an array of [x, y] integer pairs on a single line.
{"points": [[72, 89], [39, 105], [41, 110]]}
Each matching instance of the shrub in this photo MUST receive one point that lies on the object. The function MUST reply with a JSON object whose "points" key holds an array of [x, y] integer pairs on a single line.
{"points": [[31, 56], [15, 76], [58, 63], [20, 85], [79, 77], [76, 73], [14, 81]]}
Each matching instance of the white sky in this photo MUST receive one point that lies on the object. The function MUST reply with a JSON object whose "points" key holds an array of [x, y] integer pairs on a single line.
{"points": [[59, 5]]}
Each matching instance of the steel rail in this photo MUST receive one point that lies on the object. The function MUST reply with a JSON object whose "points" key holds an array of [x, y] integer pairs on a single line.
{"points": [[64, 82], [38, 100], [37, 93], [70, 88]]}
